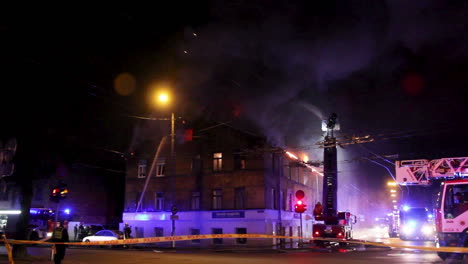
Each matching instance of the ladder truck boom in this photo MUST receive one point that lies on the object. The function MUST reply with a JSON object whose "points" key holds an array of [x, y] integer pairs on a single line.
{"points": [[422, 171], [451, 210]]}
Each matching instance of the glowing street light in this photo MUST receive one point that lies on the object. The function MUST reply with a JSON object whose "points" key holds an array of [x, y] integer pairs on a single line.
{"points": [[391, 183], [162, 97]]}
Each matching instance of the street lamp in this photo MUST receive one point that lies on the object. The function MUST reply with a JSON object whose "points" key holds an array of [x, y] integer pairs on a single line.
{"points": [[163, 97]]}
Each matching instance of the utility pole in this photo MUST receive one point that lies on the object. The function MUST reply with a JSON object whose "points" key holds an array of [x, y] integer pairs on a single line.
{"points": [[173, 175]]}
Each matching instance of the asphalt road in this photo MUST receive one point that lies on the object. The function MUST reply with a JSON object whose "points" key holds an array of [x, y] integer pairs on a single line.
{"points": [[237, 256]]}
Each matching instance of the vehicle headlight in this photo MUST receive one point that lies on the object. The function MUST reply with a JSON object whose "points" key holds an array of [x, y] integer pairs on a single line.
{"points": [[408, 229], [427, 229]]}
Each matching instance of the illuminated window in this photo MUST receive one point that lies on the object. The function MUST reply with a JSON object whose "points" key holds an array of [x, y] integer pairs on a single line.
{"points": [[160, 168], [217, 161], [239, 198], [159, 203], [217, 199], [195, 201], [141, 168]]}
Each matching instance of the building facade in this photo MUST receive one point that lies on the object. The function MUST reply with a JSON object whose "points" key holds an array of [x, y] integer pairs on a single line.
{"points": [[224, 181]]}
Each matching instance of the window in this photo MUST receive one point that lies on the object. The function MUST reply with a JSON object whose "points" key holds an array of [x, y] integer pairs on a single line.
{"points": [[195, 201], [456, 200], [241, 230], [159, 203], [239, 202], [217, 199], [160, 168], [282, 200], [195, 232], [239, 161], [290, 202], [217, 161], [274, 203], [197, 165], [217, 231], [158, 232], [141, 168]]}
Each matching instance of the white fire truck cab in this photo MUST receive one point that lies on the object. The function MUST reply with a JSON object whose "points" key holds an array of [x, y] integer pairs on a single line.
{"points": [[451, 210]]}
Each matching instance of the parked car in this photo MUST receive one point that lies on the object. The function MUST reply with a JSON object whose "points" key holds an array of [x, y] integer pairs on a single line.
{"points": [[104, 235], [94, 228], [34, 232]]}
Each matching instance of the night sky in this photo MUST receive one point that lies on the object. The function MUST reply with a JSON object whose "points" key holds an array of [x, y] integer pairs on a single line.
{"points": [[395, 70]]}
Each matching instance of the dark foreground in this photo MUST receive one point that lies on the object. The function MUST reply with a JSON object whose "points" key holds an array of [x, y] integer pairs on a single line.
{"points": [[237, 256]]}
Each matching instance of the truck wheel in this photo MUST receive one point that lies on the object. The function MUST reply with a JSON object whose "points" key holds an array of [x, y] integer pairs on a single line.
{"points": [[319, 243], [442, 255]]}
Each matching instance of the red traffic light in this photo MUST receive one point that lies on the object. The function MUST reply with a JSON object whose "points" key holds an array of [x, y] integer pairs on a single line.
{"points": [[55, 191], [300, 207], [300, 194], [59, 193]]}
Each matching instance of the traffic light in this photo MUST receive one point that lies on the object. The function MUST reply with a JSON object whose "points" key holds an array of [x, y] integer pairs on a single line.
{"points": [[300, 207], [55, 195], [184, 132], [58, 193]]}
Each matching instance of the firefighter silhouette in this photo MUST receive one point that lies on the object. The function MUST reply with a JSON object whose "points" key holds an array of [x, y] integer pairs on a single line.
{"points": [[318, 210], [60, 234]]}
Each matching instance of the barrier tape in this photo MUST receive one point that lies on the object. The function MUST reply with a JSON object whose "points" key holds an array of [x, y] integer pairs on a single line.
{"points": [[9, 250], [211, 236]]}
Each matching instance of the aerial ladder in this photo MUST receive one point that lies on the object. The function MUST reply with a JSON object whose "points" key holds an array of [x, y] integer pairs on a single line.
{"points": [[331, 223], [451, 210]]}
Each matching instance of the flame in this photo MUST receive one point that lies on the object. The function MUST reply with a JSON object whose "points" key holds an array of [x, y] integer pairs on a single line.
{"points": [[306, 159], [291, 155]]}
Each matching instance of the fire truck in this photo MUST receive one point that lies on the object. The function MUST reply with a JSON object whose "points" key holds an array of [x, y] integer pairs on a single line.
{"points": [[331, 223], [451, 209]]}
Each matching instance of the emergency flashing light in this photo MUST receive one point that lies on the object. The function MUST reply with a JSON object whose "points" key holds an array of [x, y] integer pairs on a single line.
{"points": [[67, 211], [406, 208]]}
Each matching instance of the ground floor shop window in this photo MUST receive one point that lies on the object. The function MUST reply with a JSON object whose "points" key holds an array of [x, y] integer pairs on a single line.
{"points": [[158, 232], [217, 231], [241, 230], [195, 232]]}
